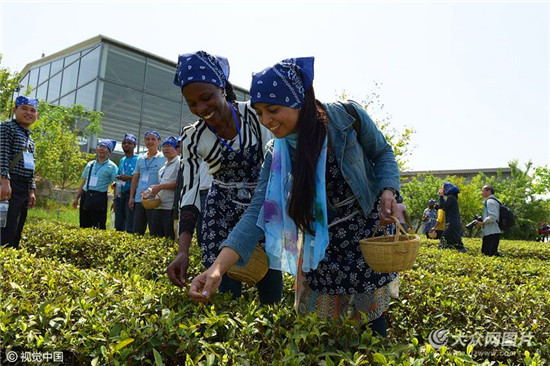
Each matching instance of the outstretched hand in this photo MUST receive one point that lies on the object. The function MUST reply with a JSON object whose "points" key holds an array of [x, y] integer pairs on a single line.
{"points": [[177, 270], [204, 285]]}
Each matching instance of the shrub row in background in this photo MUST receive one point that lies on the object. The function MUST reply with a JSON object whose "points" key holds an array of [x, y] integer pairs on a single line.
{"points": [[99, 249], [104, 296]]}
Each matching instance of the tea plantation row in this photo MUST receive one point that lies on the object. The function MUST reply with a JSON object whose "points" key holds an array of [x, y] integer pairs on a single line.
{"points": [[104, 297]]}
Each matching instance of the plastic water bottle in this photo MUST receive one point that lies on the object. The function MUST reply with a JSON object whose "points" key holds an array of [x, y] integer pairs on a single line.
{"points": [[118, 187], [4, 206]]}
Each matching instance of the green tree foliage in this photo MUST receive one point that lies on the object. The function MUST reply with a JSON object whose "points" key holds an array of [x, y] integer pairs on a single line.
{"points": [[56, 133], [400, 140], [520, 192], [542, 180], [9, 82]]}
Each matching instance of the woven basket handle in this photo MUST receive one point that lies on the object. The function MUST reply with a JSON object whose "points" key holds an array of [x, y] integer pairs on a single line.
{"points": [[399, 228], [396, 236]]}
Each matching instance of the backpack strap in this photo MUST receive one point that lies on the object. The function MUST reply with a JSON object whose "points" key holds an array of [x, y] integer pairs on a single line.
{"points": [[494, 198], [353, 112], [15, 160], [89, 175]]}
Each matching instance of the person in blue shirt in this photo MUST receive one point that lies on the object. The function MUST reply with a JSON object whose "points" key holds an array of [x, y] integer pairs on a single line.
{"points": [[163, 225], [145, 175], [96, 179], [124, 216], [429, 217], [323, 186]]}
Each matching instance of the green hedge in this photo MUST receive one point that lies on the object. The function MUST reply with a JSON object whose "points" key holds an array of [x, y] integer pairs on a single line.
{"points": [[100, 249], [104, 296]]}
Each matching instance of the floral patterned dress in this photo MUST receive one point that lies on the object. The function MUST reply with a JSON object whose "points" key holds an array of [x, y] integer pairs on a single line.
{"points": [[228, 198], [343, 284]]}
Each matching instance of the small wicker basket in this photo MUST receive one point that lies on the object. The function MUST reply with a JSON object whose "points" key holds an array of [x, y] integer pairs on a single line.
{"points": [[150, 203], [391, 253], [432, 234], [253, 271]]}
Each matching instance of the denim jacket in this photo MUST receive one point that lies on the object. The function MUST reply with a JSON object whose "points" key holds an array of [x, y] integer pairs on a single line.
{"points": [[367, 163]]}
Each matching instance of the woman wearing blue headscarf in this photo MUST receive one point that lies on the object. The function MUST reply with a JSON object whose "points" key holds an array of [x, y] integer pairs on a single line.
{"points": [[324, 186], [229, 138], [452, 236]]}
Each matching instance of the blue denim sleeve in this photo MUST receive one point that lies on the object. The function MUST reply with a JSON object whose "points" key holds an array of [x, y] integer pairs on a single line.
{"points": [[379, 152], [245, 235]]}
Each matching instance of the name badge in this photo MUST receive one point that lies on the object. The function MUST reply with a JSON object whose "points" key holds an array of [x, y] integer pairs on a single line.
{"points": [[93, 181], [145, 178], [28, 160]]}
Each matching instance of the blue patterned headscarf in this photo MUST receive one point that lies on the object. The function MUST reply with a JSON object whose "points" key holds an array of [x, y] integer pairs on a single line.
{"points": [[449, 188], [109, 144], [22, 100], [171, 140], [154, 133], [201, 67], [131, 138], [284, 83]]}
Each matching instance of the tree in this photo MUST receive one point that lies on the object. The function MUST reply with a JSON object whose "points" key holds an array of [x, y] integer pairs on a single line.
{"points": [[9, 83], [399, 140], [56, 134], [542, 180]]}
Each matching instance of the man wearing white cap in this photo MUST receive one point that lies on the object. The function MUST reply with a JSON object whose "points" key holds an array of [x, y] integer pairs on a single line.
{"points": [[96, 178]]}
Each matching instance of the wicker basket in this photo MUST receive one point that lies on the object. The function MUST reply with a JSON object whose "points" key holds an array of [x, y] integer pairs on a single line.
{"points": [[150, 203], [432, 234], [390, 253], [253, 271]]}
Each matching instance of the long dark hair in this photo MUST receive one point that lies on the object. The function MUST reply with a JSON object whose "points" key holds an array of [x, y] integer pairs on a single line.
{"points": [[312, 133]]}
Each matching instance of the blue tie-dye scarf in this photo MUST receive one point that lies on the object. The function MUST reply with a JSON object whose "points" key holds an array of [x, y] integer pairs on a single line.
{"points": [[281, 234]]}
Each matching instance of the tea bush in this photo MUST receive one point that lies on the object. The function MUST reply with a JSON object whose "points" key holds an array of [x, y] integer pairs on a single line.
{"points": [[473, 294], [100, 249], [104, 296]]}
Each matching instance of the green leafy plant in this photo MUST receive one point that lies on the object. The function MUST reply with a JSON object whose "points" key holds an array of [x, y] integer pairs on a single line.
{"points": [[104, 297]]}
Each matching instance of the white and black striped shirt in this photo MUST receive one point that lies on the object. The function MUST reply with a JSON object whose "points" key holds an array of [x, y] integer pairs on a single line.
{"points": [[200, 143]]}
